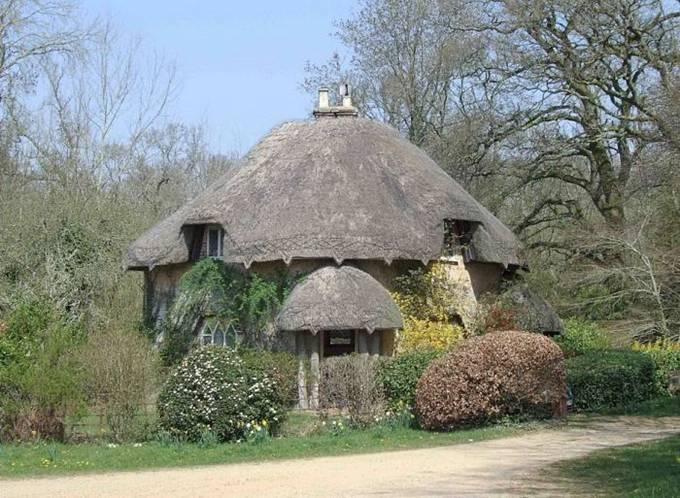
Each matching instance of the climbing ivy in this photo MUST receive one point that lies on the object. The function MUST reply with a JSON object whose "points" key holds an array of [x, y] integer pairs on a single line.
{"points": [[215, 289]]}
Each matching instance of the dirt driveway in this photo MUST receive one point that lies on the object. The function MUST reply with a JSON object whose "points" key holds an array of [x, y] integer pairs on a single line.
{"points": [[503, 467]]}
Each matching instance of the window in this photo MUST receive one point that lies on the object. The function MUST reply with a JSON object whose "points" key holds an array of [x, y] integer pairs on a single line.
{"points": [[219, 333], [215, 239], [457, 237]]}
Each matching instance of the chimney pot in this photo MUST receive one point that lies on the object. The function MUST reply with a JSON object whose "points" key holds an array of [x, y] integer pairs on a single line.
{"points": [[323, 98]]}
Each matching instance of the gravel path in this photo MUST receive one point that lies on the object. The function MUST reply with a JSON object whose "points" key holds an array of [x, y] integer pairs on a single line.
{"points": [[502, 467]]}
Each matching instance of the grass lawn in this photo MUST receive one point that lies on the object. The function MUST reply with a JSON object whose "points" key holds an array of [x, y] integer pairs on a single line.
{"points": [[642, 470], [660, 407], [53, 459]]}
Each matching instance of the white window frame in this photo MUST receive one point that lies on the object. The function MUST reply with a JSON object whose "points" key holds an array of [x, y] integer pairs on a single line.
{"points": [[220, 242], [210, 328]]}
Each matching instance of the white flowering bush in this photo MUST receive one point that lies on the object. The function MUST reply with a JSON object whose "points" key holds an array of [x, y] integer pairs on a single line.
{"points": [[212, 390]]}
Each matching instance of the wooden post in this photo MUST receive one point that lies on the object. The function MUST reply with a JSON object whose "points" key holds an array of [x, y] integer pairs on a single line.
{"points": [[363, 342], [374, 344], [301, 349], [314, 341]]}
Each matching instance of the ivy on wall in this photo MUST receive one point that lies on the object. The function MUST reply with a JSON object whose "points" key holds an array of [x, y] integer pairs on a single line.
{"points": [[214, 289], [429, 304]]}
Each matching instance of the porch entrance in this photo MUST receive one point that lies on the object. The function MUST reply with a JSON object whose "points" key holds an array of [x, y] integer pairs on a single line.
{"points": [[338, 342]]}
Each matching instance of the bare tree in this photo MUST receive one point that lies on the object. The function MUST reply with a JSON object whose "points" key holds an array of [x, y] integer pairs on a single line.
{"points": [[577, 75], [29, 31], [647, 275]]}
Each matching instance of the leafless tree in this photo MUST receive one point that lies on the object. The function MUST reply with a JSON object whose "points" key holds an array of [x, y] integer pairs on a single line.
{"points": [[29, 31], [578, 76]]}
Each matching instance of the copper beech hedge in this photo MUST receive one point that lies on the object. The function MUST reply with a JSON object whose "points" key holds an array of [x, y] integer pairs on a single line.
{"points": [[492, 376]]}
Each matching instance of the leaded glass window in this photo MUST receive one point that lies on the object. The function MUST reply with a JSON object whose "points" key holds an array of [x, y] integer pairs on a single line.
{"points": [[217, 332]]}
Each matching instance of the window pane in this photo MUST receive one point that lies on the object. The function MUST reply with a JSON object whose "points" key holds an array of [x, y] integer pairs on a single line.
{"points": [[219, 338], [220, 241], [213, 239], [230, 337], [207, 340]]}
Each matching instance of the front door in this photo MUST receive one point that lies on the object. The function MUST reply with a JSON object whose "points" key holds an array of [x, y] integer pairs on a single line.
{"points": [[338, 342]]}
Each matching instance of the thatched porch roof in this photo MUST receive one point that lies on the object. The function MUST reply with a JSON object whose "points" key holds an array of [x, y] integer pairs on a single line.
{"points": [[339, 298]]}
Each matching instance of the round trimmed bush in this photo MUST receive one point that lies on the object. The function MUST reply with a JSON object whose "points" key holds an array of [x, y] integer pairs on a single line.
{"points": [[489, 377], [213, 391], [399, 375], [608, 379]]}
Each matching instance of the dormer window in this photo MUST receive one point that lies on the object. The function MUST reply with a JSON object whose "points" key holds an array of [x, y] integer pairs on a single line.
{"points": [[457, 237], [215, 242]]}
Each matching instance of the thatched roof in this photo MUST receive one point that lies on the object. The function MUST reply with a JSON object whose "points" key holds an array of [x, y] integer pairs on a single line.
{"points": [[532, 312], [339, 298], [342, 188]]}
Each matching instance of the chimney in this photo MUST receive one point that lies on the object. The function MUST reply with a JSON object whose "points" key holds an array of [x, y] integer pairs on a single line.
{"points": [[324, 109]]}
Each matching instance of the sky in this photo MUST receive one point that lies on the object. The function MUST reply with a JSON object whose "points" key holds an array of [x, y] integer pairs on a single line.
{"points": [[239, 63]]}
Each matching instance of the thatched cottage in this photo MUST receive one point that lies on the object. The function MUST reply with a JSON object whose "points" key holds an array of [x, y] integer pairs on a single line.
{"points": [[350, 203]]}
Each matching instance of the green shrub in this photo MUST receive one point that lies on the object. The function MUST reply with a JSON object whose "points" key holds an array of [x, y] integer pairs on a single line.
{"points": [[580, 337], [122, 371], [489, 377], [212, 390], [282, 367], [607, 379], [41, 381], [399, 375], [666, 358]]}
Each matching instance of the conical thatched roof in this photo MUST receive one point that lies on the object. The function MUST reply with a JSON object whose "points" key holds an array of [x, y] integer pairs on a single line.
{"points": [[339, 298], [342, 188]]}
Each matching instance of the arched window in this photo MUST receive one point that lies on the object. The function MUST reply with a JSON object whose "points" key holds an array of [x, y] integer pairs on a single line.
{"points": [[216, 332]]}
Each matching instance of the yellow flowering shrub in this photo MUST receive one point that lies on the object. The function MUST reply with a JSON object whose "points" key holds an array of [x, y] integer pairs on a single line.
{"points": [[419, 334], [658, 345], [428, 301], [665, 354]]}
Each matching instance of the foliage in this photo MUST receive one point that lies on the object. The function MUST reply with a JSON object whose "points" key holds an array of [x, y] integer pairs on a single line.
{"points": [[399, 375], [122, 371], [418, 334], [580, 337], [212, 288], [282, 367], [666, 357], [40, 378], [212, 390], [429, 303], [490, 377], [351, 382], [642, 470], [607, 379]]}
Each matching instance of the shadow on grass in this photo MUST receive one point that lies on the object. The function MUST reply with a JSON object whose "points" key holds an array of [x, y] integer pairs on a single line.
{"points": [[649, 469]]}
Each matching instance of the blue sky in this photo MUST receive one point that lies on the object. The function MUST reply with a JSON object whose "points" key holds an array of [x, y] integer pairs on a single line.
{"points": [[239, 62]]}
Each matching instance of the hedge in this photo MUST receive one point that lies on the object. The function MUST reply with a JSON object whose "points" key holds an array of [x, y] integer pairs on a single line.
{"points": [[489, 377], [608, 379], [399, 375]]}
